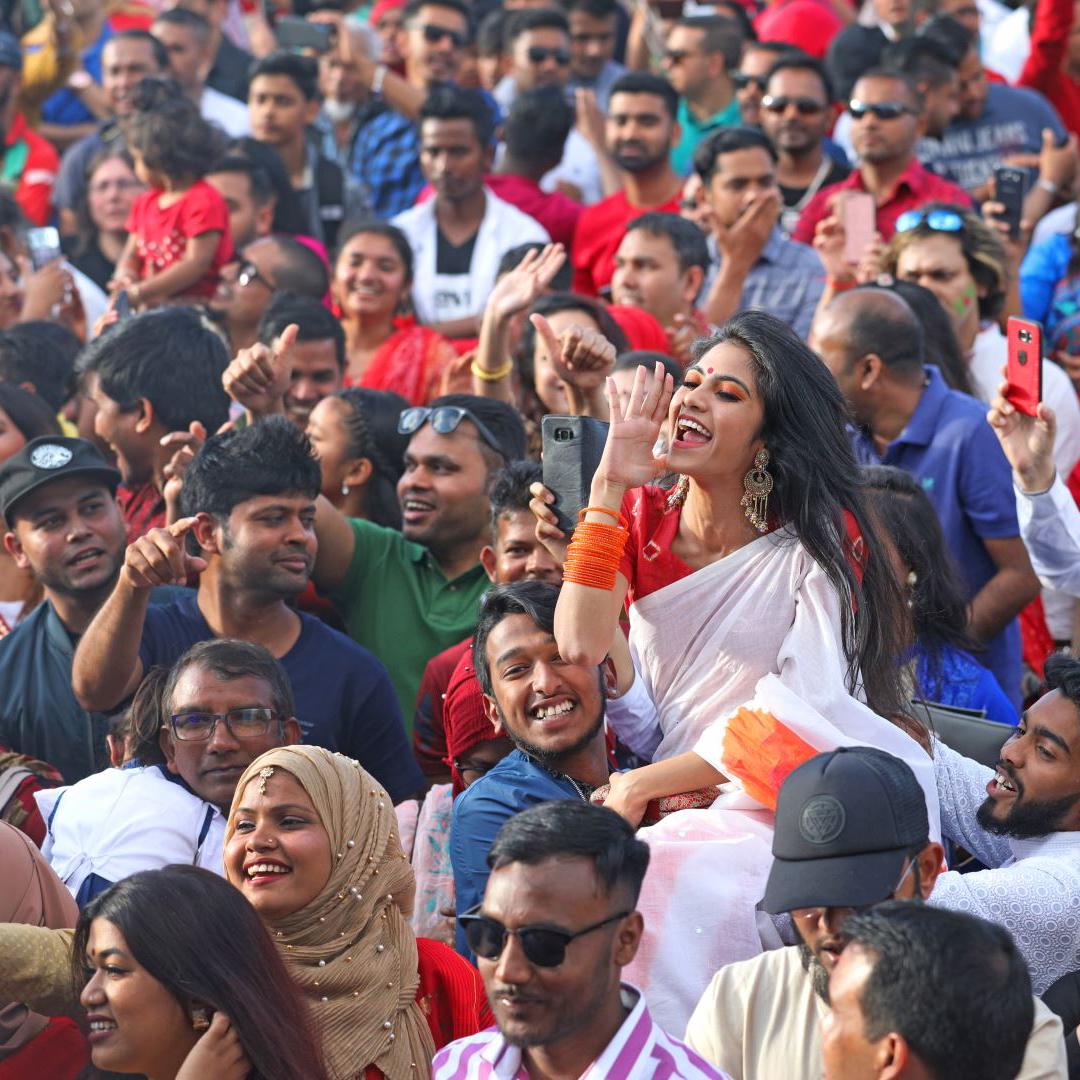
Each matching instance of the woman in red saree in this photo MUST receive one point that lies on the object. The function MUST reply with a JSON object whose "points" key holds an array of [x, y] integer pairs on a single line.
{"points": [[386, 349]]}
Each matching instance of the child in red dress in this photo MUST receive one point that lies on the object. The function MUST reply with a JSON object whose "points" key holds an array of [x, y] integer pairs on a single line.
{"points": [[179, 229]]}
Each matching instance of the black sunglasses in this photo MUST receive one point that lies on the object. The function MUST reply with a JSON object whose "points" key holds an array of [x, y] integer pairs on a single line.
{"points": [[542, 945], [435, 34], [742, 81], [883, 110], [676, 56], [445, 420], [806, 106], [538, 54]]}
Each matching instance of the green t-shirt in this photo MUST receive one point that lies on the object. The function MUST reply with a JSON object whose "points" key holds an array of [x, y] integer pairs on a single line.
{"points": [[397, 602], [695, 131]]}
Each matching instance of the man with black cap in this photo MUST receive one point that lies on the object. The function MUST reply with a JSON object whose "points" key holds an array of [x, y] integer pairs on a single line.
{"points": [[58, 501], [851, 832]]}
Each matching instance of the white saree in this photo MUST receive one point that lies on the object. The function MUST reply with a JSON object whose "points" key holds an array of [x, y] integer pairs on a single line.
{"points": [[761, 629]]}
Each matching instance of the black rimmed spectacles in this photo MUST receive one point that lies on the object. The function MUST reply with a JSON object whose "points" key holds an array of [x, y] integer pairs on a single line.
{"points": [[242, 724]]}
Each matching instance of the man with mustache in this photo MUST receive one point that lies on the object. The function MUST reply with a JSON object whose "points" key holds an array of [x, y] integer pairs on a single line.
{"points": [[249, 497], [641, 130], [851, 832]]}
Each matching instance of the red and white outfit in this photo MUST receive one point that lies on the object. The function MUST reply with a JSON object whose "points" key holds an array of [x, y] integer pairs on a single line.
{"points": [[162, 232], [760, 629]]}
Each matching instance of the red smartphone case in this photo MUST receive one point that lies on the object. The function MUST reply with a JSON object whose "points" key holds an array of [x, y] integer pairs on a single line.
{"points": [[1025, 365]]}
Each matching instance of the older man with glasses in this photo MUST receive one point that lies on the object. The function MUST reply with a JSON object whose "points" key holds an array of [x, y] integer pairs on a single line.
{"points": [[885, 108]]}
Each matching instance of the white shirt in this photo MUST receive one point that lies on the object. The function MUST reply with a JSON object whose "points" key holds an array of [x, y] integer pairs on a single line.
{"points": [[1050, 529], [991, 351], [229, 114], [640, 1050], [120, 821], [1061, 220], [442, 297], [1032, 887]]}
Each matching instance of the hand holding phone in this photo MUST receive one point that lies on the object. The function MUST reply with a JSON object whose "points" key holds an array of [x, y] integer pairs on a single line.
{"points": [[1010, 188], [859, 214], [573, 446], [43, 245], [1024, 370]]}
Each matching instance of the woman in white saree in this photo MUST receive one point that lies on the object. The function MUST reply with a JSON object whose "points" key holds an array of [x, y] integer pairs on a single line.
{"points": [[763, 614]]}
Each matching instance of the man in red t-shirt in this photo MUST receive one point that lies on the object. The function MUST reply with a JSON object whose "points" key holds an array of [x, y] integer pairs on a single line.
{"points": [[886, 110], [641, 130]]}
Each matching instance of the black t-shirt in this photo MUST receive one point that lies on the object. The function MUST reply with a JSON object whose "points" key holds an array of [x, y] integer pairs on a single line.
{"points": [[452, 259], [837, 172]]}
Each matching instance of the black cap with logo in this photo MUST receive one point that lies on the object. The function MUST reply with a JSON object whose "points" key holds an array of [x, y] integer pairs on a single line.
{"points": [[845, 822], [48, 458]]}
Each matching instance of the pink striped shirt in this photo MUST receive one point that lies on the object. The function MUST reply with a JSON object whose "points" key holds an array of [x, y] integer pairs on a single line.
{"points": [[640, 1050]]}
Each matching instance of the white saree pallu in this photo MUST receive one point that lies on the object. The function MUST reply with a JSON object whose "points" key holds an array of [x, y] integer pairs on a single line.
{"points": [[759, 629]]}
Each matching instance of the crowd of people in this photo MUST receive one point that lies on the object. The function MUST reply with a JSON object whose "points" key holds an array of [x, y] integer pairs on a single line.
{"points": [[521, 555]]}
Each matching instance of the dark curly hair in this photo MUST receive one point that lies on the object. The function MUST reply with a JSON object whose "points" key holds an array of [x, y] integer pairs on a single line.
{"points": [[169, 133]]}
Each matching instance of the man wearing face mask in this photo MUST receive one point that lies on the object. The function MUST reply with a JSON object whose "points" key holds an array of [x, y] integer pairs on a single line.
{"points": [[851, 832]]}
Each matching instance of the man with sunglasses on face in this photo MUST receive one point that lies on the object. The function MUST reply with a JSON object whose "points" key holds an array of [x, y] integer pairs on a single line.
{"points": [[851, 832], [886, 111], [796, 114], [555, 929], [223, 704]]}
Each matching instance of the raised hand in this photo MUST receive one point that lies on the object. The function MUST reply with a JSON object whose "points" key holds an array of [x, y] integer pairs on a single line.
{"points": [[1028, 441], [629, 460], [218, 1054], [526, 283], [259, 376], [159, 558], [581, 355], [185, 445]]}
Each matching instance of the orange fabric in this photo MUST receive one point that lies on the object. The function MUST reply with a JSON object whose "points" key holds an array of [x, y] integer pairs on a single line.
{"points": [[760, 752]]}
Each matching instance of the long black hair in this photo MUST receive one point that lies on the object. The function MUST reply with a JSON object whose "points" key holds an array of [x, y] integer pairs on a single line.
{"points": [[938, 607], [197, 935], [817, 480]]}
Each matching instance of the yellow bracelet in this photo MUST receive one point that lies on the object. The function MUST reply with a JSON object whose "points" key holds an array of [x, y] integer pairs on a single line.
{"points": [[492, 376]]}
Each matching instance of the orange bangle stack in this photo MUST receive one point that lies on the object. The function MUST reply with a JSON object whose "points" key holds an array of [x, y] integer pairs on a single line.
{"points": [[595, 553]]}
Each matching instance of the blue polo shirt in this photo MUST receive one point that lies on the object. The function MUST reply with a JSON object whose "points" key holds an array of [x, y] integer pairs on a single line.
{"points": [[950, 448]]}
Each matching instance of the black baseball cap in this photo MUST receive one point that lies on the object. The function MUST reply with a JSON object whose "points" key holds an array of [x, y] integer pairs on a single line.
{"points": [[845, 823], [48, 458]]}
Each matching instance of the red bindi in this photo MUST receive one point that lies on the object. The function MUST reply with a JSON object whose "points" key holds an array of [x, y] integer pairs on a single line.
{"points": [[709, 370]]}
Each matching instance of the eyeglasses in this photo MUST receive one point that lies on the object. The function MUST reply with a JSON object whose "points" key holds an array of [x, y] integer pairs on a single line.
{"points": [[883, 110], [806, 106], [936, 220], [100, 187], [242, 724], [543, 946], [674, 57], [742, 81], [538, 54], [473, 765], [249, 273], [434, 34], [445, 420]]}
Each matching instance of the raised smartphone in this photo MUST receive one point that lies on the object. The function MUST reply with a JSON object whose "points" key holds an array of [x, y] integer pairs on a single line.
{"points": [[43, 245], [293, 32], [1025, 365], [1010, 187], [573, 446], [860, 223]]}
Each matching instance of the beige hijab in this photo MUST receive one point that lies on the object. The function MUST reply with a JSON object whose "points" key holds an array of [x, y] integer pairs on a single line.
{"points": [[31, 894], [351, 948]]}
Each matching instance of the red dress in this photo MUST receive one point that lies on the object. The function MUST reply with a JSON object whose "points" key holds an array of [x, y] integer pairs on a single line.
{"points": [[409, 362], [162, 233], [451, 996]]}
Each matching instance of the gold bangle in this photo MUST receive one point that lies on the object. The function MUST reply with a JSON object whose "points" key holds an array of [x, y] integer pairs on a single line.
{"points": [[492, 376]]}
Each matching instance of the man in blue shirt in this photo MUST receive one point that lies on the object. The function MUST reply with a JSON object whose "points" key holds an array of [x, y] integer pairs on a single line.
{"points": [[250, 499], [551, 710], [908, 417]]}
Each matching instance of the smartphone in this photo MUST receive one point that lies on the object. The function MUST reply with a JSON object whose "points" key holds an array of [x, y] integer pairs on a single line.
{"points": [[860, 223], [1025, 365], [573, 446], [44, 246], [123, 304], [1010, 186], [296, 33]]}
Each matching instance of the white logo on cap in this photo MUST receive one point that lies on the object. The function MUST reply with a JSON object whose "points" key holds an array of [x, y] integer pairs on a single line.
{"points": [[50, 456]]}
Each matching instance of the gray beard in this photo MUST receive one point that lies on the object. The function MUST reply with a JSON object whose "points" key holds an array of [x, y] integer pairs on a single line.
{"points": [[819, 977]]}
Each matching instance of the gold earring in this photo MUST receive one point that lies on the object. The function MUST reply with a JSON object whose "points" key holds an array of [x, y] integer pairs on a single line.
{"points": [[757, 484], [200, 1020], [678, 493]]}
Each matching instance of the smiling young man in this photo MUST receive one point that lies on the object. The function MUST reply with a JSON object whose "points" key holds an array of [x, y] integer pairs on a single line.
{"points": [[250, 496], [555, 929], [1022, 821], [63, 524], [553, 712], [224, 703]]}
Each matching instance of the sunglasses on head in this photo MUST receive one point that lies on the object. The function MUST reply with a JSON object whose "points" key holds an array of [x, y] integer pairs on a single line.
{"points": [[543, 946], [936, 220], [742, 81], [434, 34], [445, 420], [883, 110], [538, 54], [806, 106]]}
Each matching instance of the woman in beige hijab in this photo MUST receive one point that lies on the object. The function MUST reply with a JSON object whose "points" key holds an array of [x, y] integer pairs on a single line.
{"points": [[312, 842], [31, 894]]}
